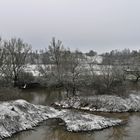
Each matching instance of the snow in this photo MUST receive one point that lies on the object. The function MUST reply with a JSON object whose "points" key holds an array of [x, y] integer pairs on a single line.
{"points": [[104, 103], [32, 69], [19, 115], [77, 121], [92, 59]]}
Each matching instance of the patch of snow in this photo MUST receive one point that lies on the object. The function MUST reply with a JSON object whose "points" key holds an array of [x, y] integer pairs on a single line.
{"points": [[94, 59], [19, 115], [104, 103], [77, 121], [32, 69]]}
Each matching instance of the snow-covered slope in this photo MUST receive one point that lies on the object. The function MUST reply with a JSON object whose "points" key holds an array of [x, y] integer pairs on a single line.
{"points": [[103, 103], [16, 116], [20, 115]]}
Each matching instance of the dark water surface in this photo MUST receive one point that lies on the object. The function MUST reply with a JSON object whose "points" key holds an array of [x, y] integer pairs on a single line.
{"points": [[55, 130]]}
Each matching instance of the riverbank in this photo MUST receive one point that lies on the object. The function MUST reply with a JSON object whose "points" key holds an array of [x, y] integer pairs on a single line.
{"points": [[102, 103], [19, 115]]}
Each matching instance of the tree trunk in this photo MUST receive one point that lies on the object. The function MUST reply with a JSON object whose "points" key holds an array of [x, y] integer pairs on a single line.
{"points": [[15, 81], [137, 79]]}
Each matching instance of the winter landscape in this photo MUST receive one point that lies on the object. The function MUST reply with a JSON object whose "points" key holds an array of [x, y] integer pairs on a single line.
{"points": [[69, 70], [82, 93]]}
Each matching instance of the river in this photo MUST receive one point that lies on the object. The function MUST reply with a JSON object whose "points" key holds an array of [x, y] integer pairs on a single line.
{"points": [[55, 130]]}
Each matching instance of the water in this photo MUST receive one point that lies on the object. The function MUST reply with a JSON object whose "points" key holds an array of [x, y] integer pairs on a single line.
{"points": [[55, 130]]}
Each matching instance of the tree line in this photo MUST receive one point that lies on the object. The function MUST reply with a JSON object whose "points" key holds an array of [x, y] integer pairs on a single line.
{"points": [[73, 71]]}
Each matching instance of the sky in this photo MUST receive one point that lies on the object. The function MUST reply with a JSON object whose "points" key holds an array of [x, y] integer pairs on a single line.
{"points": [[100, 25]]}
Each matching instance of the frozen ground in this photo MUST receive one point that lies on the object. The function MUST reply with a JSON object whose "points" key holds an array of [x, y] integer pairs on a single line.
{"points": [[19, 115], [103, 103]]}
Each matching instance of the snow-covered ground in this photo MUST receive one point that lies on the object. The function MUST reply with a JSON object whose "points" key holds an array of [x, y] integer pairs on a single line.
{"points": [[34, 68], [77, 121], [19, 115], [104, 103], [94, 59]]}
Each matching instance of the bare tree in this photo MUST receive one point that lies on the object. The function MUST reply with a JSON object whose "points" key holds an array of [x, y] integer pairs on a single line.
{"points": [[15, 58], [56, 51], [108, 79], [2, 57], [73, 71], [65, 67], [51, 66]]}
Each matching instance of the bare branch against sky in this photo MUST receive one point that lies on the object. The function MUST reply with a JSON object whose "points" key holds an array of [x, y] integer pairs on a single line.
{"points": [[100, 25]]}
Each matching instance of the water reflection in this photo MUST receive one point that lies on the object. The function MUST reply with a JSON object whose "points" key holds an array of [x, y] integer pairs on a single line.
{"points": [[50, 131], [118, 133], [43, 97], [21, 135], [56, 131]]}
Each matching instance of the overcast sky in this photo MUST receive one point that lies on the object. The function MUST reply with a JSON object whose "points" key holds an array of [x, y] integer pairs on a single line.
{"points": [[101, 25]]}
